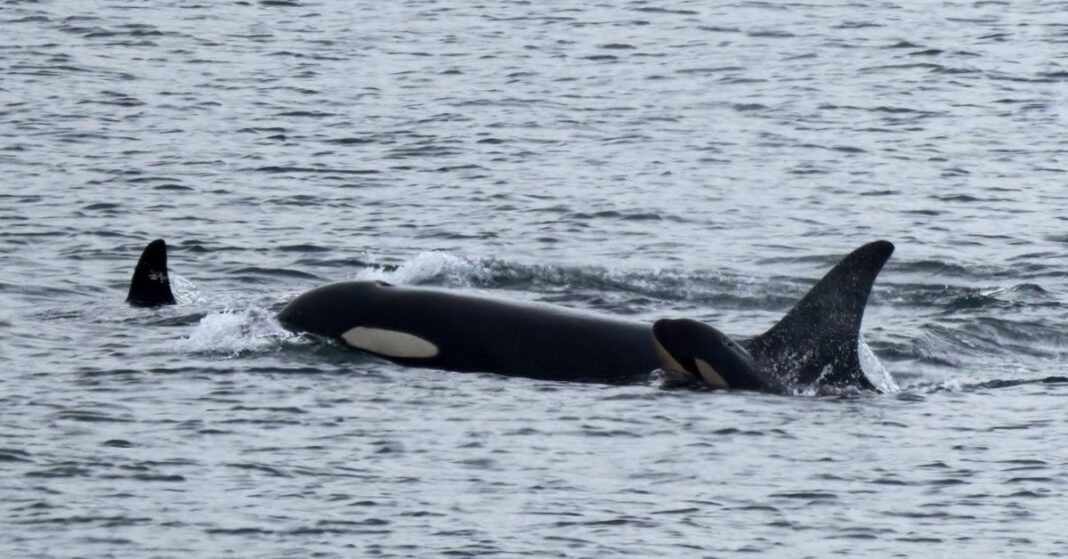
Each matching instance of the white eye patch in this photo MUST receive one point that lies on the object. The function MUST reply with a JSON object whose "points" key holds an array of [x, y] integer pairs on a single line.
{"points": [[389, 343], [710, 374], [666, 360]]}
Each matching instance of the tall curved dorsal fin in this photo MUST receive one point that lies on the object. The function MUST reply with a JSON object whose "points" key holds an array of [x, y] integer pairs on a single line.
{"points": [[150, 286], [818, 340]]}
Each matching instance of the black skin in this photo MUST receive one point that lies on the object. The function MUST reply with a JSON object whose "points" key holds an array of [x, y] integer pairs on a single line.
{"points": [[484, 334], [816, 343], [687, 341], [150, 286]]}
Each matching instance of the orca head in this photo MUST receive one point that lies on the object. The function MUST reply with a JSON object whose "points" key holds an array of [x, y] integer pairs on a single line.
{"points": [[709, 356], [350, 313], [150, 286]]}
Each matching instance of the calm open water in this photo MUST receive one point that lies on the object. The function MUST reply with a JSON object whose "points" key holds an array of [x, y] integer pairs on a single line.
{"points": [[649, 159]]}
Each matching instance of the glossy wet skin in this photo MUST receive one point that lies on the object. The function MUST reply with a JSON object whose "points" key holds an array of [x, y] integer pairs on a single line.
{"points": [[459, 331], [710, 356], [814, 344]]}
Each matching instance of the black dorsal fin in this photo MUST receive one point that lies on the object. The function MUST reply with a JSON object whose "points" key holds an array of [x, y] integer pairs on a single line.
{"points": [[818, 340], [150, 286]]}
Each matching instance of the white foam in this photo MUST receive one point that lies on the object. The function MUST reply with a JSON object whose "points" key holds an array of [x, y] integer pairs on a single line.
{"points": [[951, 385], [453, 269], [185, 292], [235, 331]]}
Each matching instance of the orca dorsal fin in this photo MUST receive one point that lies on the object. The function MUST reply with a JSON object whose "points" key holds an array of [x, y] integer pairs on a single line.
{"points": [[150, 286], [818, 340]]}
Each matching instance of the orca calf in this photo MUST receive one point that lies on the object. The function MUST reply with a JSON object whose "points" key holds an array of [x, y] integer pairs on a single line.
{"points": [[815, 344]]}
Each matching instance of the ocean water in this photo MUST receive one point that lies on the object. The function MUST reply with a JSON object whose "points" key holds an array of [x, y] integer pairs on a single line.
{"points": [[675, 159]]}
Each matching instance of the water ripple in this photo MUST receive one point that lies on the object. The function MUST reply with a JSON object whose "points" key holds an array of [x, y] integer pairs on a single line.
{"points": [[642, 160]]}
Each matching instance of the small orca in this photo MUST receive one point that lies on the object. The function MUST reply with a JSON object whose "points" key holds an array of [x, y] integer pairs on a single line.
{"points": [[695, 354], [815, 344]]}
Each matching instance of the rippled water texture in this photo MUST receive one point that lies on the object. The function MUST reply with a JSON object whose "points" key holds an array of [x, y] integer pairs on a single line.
{"points": [[699, 159]]}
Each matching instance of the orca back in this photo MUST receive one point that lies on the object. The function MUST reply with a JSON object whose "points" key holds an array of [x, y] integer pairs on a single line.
{"points": [[817, 342]]}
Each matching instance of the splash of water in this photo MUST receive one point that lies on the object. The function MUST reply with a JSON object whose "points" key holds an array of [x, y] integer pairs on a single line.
{"points": [[429, 266], [232, 332], [874, 369], [185, 291]]}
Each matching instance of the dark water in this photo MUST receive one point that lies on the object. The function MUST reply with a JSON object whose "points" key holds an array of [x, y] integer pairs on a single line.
{"points": [[698, 159]]}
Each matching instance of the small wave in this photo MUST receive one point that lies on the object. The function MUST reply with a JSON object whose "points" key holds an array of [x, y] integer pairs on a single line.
{"points": [[992, 336], [254, 272], [955, 299], [607, 289], [430, 267], [955, 385], [1008, 383], [1005, 298]]}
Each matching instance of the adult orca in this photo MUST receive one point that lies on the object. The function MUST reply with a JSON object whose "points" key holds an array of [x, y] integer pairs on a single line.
{"points": [[815, 344]]}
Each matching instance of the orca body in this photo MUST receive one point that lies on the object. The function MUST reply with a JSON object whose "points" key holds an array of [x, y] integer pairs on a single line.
{"points": [[470, 333], [815, 344]]}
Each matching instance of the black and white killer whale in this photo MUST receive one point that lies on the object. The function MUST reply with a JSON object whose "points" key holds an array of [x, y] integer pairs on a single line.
{"points": [[816, 343]]}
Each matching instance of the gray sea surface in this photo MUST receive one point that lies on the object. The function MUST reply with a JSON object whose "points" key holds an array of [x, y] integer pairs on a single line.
{"points": [[693, 159]]}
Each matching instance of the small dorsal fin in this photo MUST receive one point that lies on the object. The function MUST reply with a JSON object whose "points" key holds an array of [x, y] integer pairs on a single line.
{"points": [[817, 341], [150, 286]]}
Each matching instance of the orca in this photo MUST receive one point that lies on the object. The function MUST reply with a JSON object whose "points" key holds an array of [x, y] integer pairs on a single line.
{"points": [[695, 354], [150, 286], [456, 331], [815, 344]]}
